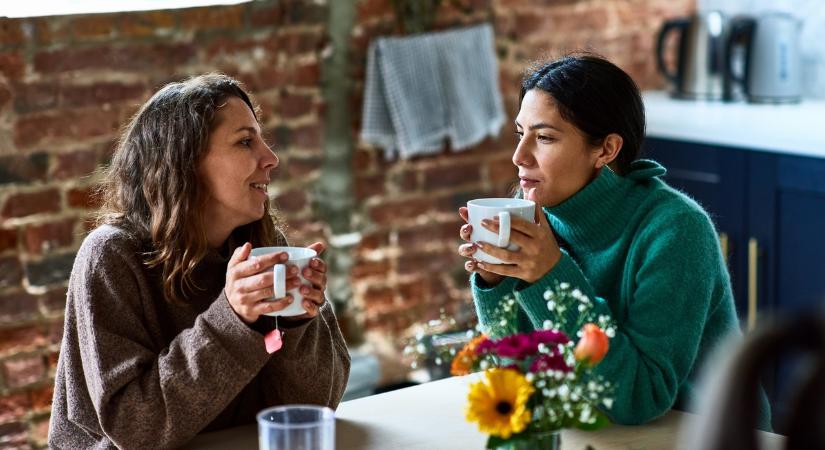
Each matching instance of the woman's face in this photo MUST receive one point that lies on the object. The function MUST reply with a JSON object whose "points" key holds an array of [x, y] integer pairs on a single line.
{"points": [[235, 170], [552, 155]]}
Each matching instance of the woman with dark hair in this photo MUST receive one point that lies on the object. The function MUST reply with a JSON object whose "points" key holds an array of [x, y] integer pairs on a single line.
{"points": [[607, 225], [166, 311]]}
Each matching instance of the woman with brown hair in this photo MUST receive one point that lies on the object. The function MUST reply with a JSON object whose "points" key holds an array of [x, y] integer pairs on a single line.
{"points": [[166, 309]]}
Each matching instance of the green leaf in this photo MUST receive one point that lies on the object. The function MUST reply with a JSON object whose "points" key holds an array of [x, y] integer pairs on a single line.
{"points": [[601, 422]]}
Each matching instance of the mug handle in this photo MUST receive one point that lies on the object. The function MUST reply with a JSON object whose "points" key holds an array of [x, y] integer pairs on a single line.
{"points": [[280, 280], [503, 229]]}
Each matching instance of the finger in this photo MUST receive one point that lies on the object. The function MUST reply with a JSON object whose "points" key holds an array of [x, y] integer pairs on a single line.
{"points": [[318, 264], [312, 294], [255, 283], [317, 279], [310, 307], [498, 252], [463, 213], [467, 250], [272, 306], [541, 219], [523, 226], [240, 254], [319, 247], [471, 266], [466, 232], [258, 264], [507, 270]]}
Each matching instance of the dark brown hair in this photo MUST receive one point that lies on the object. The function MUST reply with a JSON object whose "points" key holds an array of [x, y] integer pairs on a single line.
{"points": [[597, 97], [151, 188]]}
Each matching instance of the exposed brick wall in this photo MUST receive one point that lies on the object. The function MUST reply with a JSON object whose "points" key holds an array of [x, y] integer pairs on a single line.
{"points": [[407, 266], [66, 86], [68, 83]]}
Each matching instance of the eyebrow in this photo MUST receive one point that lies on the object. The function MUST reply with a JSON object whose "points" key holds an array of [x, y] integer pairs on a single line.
{"points": [[540, 126], [249, 129]]}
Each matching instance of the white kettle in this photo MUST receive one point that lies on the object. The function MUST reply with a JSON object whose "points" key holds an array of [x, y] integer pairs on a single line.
{"points": [[773, 66]]}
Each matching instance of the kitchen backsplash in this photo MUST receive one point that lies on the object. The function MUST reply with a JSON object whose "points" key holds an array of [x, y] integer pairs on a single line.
{"points": [[812, 36]]}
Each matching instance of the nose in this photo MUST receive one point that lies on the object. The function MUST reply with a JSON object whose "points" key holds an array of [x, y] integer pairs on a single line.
{"points": [[269, 160], [522, 156]]}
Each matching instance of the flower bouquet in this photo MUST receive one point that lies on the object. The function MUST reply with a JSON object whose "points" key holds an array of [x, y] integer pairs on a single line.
{"points": [[537, 383]]}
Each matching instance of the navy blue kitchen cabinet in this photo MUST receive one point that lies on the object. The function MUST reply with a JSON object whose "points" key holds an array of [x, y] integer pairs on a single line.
{"points": [[770, 208]]}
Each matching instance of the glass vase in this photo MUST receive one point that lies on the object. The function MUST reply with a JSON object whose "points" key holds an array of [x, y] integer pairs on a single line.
{"points": [[545, 440]]}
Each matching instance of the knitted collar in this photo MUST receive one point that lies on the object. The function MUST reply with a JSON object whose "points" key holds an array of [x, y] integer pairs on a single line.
{"points": [[597, 215]]}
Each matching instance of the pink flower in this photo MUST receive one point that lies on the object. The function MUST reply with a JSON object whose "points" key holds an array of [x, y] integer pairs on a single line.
{"points": [[554, 361], [549, 337]]}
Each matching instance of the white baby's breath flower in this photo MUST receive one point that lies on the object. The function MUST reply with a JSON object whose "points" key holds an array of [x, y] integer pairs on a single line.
{"points": [[548, 294], [545, 392], [469, 333], [438, 360], [530, 377], [564, 392], [484, 365], [503, 322], [420, 348], [551, 305], [608, 403], [419, 335], [452, 351], [558, 375], [414, 364], [564, 285], [547, 325], [571, 376], [434, 323], [566, 407], [540, 384], [610, 332], [576, 294], [582, 308]]}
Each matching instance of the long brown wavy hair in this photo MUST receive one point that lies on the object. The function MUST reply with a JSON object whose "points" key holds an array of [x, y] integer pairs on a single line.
{"points": [[151, 188]]}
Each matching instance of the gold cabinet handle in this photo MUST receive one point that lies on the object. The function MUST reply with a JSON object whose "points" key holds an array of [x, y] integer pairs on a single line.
{"points": [[753, 281], [723, 242]]}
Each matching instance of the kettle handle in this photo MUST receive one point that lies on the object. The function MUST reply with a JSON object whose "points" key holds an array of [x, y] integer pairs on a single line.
{"points": [[667, 28], [741, 33]]}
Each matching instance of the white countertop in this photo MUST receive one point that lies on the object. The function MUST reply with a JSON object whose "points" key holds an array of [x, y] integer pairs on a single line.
{"points": [[794, 129], [431, 417]]}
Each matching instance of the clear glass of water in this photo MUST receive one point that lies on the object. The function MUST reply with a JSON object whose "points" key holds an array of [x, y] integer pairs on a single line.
{"points": [[296, 427]]}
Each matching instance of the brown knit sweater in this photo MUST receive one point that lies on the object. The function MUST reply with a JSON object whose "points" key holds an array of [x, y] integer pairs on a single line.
{"points": [[136, 371]]}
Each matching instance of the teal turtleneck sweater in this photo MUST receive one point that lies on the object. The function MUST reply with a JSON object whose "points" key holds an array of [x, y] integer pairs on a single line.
{"points": [[649, 257]]}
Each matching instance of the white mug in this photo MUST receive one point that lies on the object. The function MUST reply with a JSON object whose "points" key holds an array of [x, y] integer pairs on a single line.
{"points": [[300, 258], [503, 208]]}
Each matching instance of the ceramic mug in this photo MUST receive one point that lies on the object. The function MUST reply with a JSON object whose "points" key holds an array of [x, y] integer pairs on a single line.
{"points": [[300, 258], [503, 208]]}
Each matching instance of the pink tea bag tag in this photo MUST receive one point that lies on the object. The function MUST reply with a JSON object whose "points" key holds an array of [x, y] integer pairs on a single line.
{"points": [[273, 341]]}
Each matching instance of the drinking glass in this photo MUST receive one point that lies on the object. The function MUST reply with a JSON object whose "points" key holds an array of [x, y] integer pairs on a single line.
{"points": [[296, 427]]}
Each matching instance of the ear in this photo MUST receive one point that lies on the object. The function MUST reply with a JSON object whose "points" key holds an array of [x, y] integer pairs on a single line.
{"points": [[609, 150]]}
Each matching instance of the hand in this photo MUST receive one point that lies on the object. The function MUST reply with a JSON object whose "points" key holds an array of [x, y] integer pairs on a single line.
{"points": [[316, 274], [539, 251], [249, 285], [467, 250]]}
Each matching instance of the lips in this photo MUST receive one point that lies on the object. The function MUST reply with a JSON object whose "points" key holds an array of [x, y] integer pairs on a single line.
{"points": [[526, 182], [260, 187]]}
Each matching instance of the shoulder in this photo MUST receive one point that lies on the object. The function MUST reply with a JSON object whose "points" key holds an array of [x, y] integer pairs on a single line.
{"points": [[108, 244], [669, 212]]}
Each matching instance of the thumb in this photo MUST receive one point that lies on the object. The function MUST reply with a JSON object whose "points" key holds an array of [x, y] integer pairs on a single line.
{"points": [[319, 247], [240, 254], [540, 218]]}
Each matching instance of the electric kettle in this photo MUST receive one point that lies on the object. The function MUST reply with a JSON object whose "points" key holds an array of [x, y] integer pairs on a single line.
{"points": [[773, 65], [701, 58]]}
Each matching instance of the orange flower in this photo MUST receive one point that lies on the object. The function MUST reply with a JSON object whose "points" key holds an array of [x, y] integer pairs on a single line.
{"points": [[463, 361], [593, 345]]}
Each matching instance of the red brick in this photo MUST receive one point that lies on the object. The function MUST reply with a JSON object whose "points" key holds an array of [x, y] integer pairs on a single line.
{"points": [[308, 136], [452, 175], [307, 75], [428, 263], [501, 170], [35, 97], [418, 236], [14, 406], [362, 160], [74, 165], [405, 210], [303, 167], [41, 398], [23, 371], [378, 299], [269, 78], [415, 292], [292, 201], [297, 43], [372, 241], [15, 435], [39, 431], [44, 237], [267, 15], [63, 126], [52, 359], [83, 198], [213, 17], [11, 34], [8, 239], [145, 24], [21, 205], [5, 94], [17, 308], [366, 269], [132, 58], [92, 27], [99, 93], [24, 339], [24, 169], [370, 9], [53, 302], [366, 186], [12, 65], [295, 105]]}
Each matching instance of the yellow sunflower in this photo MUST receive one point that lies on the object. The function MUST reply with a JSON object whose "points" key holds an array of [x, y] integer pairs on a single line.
{"points": [[499, 404]]}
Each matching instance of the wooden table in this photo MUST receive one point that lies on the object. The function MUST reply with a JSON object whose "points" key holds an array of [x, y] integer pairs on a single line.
{"points": [[431, 417]]}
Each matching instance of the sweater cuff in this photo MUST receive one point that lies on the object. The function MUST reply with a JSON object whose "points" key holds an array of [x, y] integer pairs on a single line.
{"points": [[232, 334], [488, 298]]}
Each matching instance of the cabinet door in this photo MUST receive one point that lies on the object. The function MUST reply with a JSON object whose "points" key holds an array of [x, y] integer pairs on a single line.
{"points": [[787, 224], [715, 177]]}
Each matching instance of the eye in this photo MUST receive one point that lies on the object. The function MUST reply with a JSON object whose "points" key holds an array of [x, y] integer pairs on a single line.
{"points": [[519, 135], [246, 142], [546, 139]]}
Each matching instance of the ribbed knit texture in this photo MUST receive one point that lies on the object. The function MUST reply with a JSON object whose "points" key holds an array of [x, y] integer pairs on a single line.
{"points": [[649, 257], [137, 371]]}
